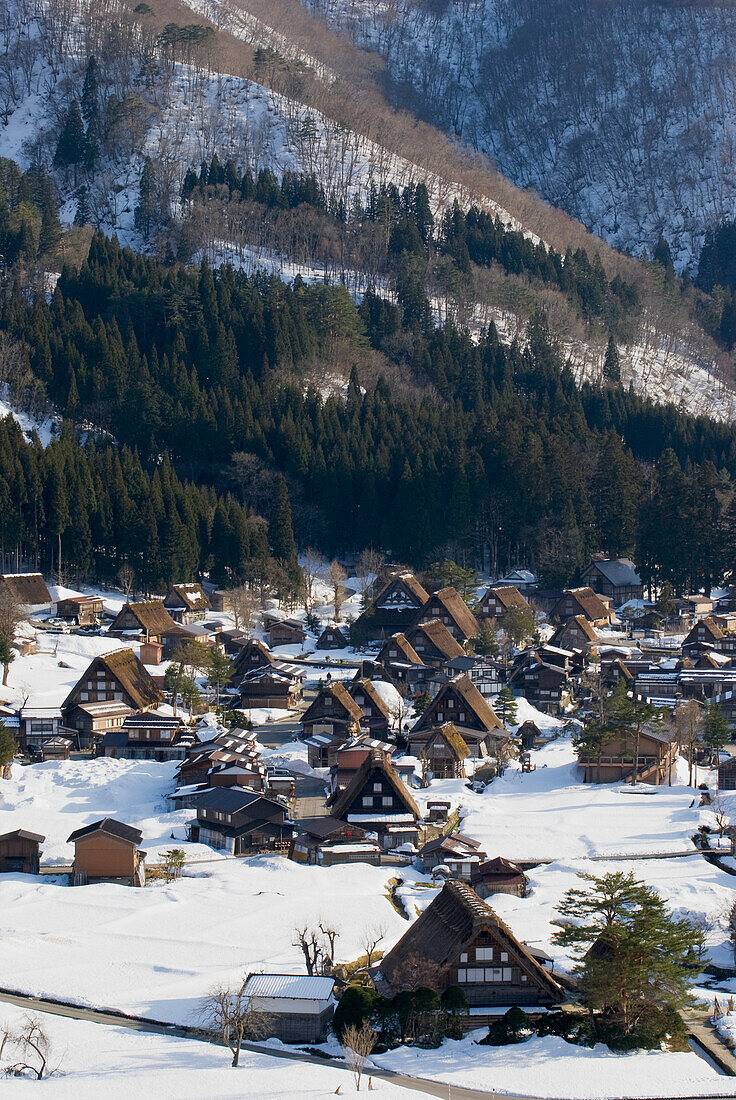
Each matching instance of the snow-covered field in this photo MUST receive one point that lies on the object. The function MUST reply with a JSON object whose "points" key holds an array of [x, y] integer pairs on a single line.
{"points": [[89, 1060], [157, 951], [550, 814], [550, 1068], [93, 1061], [58, 796]]}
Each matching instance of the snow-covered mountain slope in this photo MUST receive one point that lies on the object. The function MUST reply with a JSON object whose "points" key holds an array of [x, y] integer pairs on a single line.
{"points": [[181, 110], [622, 113]]}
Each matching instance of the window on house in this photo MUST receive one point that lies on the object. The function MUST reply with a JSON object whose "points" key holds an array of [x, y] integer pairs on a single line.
{"points": [[461, 716], [483, 954], [360, 699], [523, 977], [494, 974], [387, 800], [462, 975], [328, 700], [507, 973], [368, 800], [440, 715], [450, 704], [464, 957], [476, 973], [84, 696], [377, 787], [504, 956]]}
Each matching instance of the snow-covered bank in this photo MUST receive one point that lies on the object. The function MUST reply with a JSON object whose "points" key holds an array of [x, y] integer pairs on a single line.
{"points": [[549, 1068]]}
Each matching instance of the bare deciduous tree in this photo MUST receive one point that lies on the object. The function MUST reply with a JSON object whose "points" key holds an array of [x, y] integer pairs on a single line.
{"points": [[372, 937], [12, 614], [357, 1043], [312, 566], [686, 721], [721, 815], [243, 605], [369, 566], [34, 1049], [308, 940], [126, 576], [331, 934], [229, 1013], [336, 577]]}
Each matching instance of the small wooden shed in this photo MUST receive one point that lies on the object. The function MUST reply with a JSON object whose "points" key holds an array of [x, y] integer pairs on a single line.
{"points": [[530, 734], [108, 850], [332, 638], [20, 852]]}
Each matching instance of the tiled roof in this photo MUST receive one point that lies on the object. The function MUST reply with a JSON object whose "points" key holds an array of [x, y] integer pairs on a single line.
{"points": [[293, 987]]}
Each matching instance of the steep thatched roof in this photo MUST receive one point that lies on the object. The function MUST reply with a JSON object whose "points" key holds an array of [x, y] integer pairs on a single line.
{"points": [[340, 694], [455, 606], [132, 676], [401, 643], [438, 636], [380, 760], [450, 735], [711, 626], [584, 626], [189, 596], [508, 595], [474, 701], [589, 603], [455, 918], [151, 616], [375, 698], [28, 589], [407, 581]]}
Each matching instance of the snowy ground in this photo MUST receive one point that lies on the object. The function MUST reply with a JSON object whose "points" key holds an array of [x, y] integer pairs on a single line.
{"points": [[157, 951], [45, 678], [549, 1068], [58, 796], [550, 814], [112, 1062]]}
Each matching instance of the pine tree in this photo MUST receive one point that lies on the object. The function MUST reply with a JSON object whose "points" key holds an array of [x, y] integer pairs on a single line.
{"points": [[8, 749], [505, 706], [280, 533], [612, 363], [82, 214], [90, 95], [636, 960], [71, 147], [716, 733]]}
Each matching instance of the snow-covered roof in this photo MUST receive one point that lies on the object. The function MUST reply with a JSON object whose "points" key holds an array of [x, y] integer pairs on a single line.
{"points": [[294, 987], [620, 572], [385, 819]]}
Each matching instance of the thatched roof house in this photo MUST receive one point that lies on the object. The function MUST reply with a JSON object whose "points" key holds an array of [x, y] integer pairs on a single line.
{"points": [[28, 589], [459, 940]]}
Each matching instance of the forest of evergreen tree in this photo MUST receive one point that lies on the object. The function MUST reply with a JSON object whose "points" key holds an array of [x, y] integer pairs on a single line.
{"points": [[201, 378]]}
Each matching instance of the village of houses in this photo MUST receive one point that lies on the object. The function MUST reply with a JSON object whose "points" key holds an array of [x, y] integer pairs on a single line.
{"points": [[337, 814]]}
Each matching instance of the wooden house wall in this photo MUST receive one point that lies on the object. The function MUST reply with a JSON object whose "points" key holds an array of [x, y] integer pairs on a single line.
{"points": [[474, 972], [100, 855], [377, 796]]}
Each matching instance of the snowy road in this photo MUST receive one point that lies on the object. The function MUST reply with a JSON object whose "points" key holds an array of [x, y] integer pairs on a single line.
{"points": [[112, 1018]]}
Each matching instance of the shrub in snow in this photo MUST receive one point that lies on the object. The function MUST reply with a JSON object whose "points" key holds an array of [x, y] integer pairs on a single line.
{"points": [[513, 1027]]}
